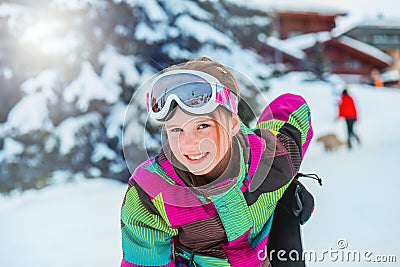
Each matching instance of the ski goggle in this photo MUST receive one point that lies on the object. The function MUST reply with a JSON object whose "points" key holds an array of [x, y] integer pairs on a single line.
{"points": [[194, 91]]}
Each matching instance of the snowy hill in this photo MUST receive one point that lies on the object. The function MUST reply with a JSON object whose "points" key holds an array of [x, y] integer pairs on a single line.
{"points": [[357, 202], [77, 223]]}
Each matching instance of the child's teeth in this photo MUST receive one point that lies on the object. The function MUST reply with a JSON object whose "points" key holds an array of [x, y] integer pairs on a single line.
{"points": [[197, 157]]}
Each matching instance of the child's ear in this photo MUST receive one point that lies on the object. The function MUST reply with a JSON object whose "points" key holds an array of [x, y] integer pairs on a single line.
{"points": [[235, 124]]}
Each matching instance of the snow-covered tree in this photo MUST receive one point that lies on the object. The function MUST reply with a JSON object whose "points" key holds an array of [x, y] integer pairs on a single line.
{"points": [[68, 70]]}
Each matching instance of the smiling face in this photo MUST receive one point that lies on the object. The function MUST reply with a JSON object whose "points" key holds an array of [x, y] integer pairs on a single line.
{"points": [[200, 142]]}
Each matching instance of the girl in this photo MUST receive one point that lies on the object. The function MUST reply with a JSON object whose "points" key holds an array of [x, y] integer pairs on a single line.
{"points": [[208, 197]]}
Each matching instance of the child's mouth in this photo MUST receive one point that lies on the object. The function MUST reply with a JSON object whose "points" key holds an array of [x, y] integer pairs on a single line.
{"points": [[195, 157]]}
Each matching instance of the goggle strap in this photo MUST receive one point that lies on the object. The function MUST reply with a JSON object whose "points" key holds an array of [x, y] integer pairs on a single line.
{"points": [[147, 101], [226, 98]]}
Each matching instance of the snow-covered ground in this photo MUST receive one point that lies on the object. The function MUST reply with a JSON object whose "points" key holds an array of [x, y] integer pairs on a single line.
{"points": [[77, 223], [64, 225], [359, 199]]}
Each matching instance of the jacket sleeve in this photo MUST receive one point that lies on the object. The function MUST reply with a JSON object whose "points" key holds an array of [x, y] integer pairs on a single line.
{"points": [[146, 236], [289, 117], [286, 128]]}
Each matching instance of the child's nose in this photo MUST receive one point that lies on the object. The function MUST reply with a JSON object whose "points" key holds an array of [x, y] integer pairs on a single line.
{"points": [[188, 139]]}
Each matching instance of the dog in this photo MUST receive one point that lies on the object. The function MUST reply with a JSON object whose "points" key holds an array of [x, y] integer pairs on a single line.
{"points": [[331, 141]]}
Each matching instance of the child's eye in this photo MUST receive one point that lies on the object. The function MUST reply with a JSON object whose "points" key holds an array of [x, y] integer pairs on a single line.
{"points": [[176, 130], [204, 125]]}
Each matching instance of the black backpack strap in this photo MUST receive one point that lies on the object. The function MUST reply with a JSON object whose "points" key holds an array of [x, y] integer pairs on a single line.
{"points": [[309, 175]]}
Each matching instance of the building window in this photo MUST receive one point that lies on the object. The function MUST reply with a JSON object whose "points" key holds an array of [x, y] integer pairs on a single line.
{"points": [[352, 64], [334, 64], [385, 39]]}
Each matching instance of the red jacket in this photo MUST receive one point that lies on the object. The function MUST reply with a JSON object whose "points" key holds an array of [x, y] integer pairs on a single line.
{"points": [[347, 108]]}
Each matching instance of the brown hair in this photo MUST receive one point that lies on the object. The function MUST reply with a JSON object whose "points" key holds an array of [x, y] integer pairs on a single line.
{"points": [[216, 115]]}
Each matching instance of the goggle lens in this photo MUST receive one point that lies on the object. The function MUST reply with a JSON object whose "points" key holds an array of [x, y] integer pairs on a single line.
{"points": [[191, 89], [195, 92]]}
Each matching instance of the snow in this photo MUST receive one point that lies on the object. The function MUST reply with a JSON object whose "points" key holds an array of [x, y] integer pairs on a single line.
{"points": [[174, 51], [77, 4], [381, 22], [201, 31], [358, 201], [69, 224], [77, 223], [390, 76], [133, 131], [345, 25], [6, 73], [176, 7], [102, 151], [289, 5], [307, 40], [98, 32], [29, 114], [261, 21], [159, 33], [8, 10], [68, 128], [252, 69], [151, 8], [40, 30], [115, 120], [46, 36], [60, 177], [94, 172], [11, 150], [121, 30], [304, 41], [116, 64], [282, 46], [45, 82], [89, 86], [367, 49]]}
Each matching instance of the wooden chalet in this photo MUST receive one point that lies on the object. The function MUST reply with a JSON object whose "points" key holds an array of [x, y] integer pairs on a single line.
{"points": [[345, 55], [380, 32], [299, 34], [293, 23]]}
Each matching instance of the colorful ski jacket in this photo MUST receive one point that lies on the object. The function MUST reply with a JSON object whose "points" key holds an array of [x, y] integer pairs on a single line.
{"points": [[158, 205]]}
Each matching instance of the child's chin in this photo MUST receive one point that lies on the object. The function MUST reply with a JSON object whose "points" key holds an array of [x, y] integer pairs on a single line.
{"points": [[203, 171]]}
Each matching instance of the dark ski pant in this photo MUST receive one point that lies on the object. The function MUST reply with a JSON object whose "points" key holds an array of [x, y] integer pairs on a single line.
{"points": [[285, 234], [350, 131]]}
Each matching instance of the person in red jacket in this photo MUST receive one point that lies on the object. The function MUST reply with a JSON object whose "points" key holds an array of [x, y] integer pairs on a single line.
{"points": [[348, 111]]}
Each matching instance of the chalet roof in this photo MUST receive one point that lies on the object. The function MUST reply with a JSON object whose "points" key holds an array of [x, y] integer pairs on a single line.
{"points": [[390, 76], [281, 45], [307, 40], [368, 23], [296, 45], [298, 6], [377, 22], [366, 49]]}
